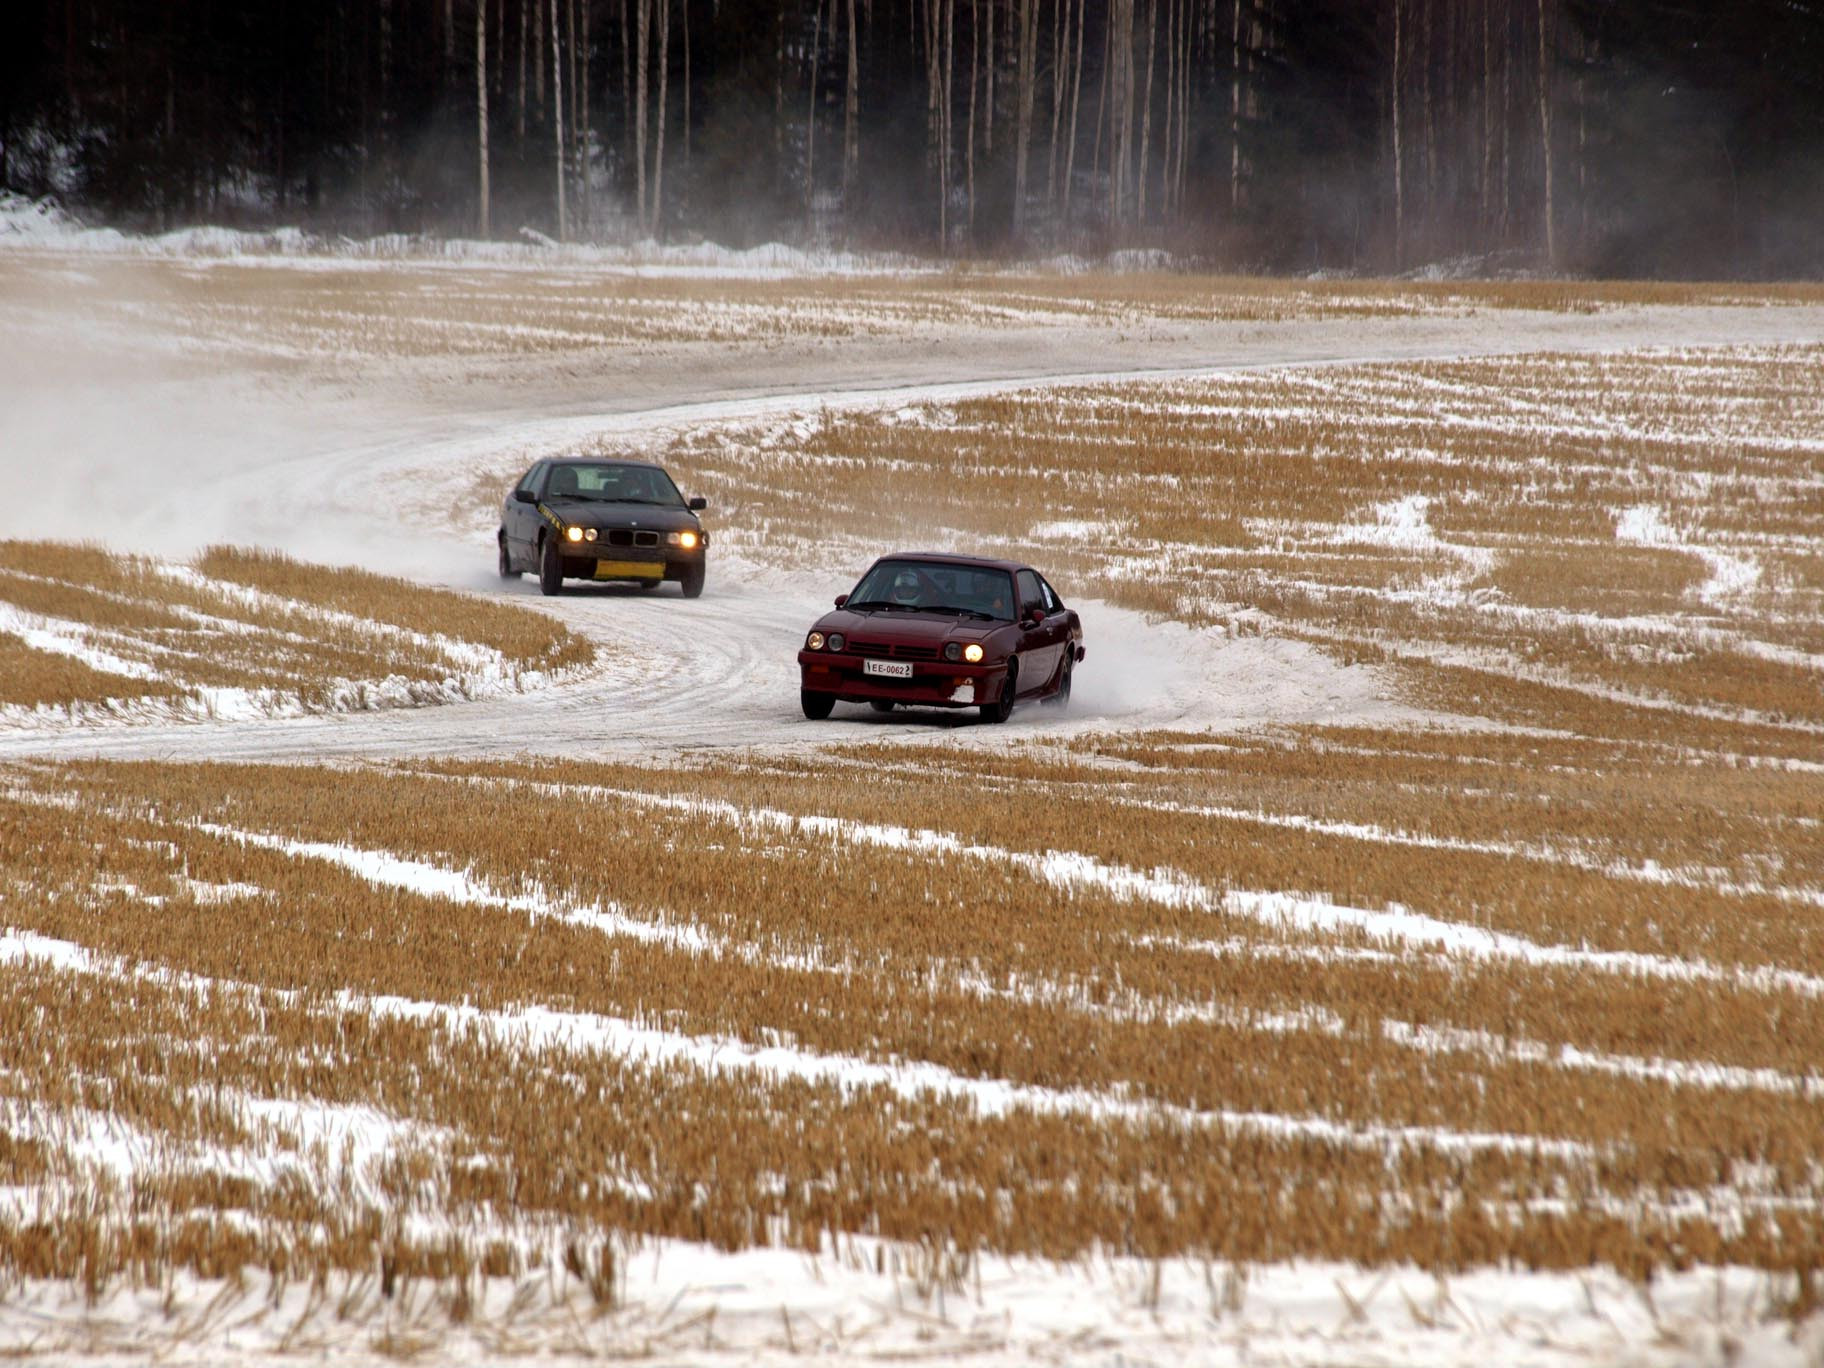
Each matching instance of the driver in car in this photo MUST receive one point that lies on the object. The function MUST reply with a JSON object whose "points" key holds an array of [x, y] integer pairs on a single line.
{"points": [[909, 590]]}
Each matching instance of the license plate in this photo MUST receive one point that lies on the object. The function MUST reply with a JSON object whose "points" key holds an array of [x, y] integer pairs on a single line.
{"points": [[629, 570], [892, 669]]}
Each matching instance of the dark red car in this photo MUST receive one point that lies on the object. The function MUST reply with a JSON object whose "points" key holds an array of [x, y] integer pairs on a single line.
{"points": [[936, 631]]}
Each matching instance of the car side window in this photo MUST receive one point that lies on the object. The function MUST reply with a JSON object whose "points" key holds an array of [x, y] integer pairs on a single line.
{"points": [[1053, 603], [1030, 597]]}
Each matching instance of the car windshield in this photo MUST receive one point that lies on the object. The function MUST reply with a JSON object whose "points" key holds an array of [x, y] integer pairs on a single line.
{"points": [[935, 587], [612, 482]]}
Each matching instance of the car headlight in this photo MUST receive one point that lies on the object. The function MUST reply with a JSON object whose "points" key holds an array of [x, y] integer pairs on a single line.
{"points": [[836, 641], [814, 642], [952, 651], [588, 534], [687, 540], [574, 534], [972, 653]]}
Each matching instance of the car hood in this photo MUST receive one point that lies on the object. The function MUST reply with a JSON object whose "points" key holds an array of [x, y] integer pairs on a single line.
{"points": [[595, 513], [910, 629]]}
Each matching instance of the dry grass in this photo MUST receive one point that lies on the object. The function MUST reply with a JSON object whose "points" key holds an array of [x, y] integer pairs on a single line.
{"points": [[276, 632], [1162, 1017], [1630, 532]]}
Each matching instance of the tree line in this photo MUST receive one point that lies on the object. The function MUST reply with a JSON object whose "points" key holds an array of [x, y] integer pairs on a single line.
{"points": [[1649, 137]]}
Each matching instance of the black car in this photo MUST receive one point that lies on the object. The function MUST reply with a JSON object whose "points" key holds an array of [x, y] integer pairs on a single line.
{"points": [[586, 518]]}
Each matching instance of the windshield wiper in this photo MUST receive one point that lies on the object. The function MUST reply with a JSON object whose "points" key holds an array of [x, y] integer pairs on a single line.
{"points": [[963, 612], [869, 605]]}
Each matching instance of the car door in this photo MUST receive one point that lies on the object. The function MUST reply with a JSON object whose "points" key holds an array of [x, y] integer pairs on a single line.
{"points": [[1041, 644], [522, 518]]}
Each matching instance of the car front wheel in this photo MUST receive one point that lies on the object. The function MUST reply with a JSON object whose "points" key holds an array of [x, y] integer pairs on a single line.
{"points": [[817, 706], [1002, 707], [1061, 698], [693, 580], [550, 569], [507, 572]]}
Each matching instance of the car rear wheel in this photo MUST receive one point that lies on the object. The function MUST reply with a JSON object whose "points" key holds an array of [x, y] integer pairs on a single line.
{"points": [[550, 568], [693, 582], [881, 705], [1002, 707], [648, 586], [507, 572], [817, 706]]}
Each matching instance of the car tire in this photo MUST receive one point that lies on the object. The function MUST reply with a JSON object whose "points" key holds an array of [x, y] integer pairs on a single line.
{"points": [[550, 568], [692, 580], [817, 706], [507, 572], [1002, 708], [647, 586], [882, 705], [1060, 697]]}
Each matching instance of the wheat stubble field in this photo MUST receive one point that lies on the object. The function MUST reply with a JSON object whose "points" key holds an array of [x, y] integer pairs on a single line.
{"points": [[1483, 1024]]}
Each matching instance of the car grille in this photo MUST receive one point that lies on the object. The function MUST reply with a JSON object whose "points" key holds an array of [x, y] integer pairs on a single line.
{"points": [[886, 652], [622, 536]]}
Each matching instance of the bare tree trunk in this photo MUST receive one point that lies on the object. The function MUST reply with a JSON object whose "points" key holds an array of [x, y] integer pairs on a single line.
{"points": [[1028, 60], [949, 102], [1235, 111], [810, 124], [1146, 107], [1429, 130], [519, 127], [1076, 99], [626, 88], [583, 152], [1060, 53], [658, 150], [557, 109], [684, 21], [449, 39], [851, 147], [1108, 44], [1545, 137], [1486, 188], [1507, 106], [573, 86], [975, 63], [1399, 164], [538, 61], [641, 19], [1170, 128], [989, 144], [481, 109]]}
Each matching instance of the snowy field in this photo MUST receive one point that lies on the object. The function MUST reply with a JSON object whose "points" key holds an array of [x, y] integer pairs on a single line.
{"points": [[1409, 948]]}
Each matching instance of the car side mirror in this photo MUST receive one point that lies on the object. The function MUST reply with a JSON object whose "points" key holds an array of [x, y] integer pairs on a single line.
{"points": [[841, 599], [697, 505], [1035, 614], [524, 496]]}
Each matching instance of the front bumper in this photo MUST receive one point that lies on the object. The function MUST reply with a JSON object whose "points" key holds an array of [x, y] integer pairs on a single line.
{"points": [[599, 562], [934, 683]]}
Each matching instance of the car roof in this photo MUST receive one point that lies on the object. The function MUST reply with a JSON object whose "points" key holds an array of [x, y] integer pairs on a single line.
{"points": [[604, 460], [974, 562]]}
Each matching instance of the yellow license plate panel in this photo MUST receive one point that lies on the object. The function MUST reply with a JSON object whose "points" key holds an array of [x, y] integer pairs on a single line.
{"points": [[605, 569]]}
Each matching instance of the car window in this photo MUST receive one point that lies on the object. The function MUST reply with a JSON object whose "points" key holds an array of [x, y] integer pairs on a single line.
{"points": [[1030, 597], [1052, 602], [533, 476], [937, 584], [608, 481]]}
